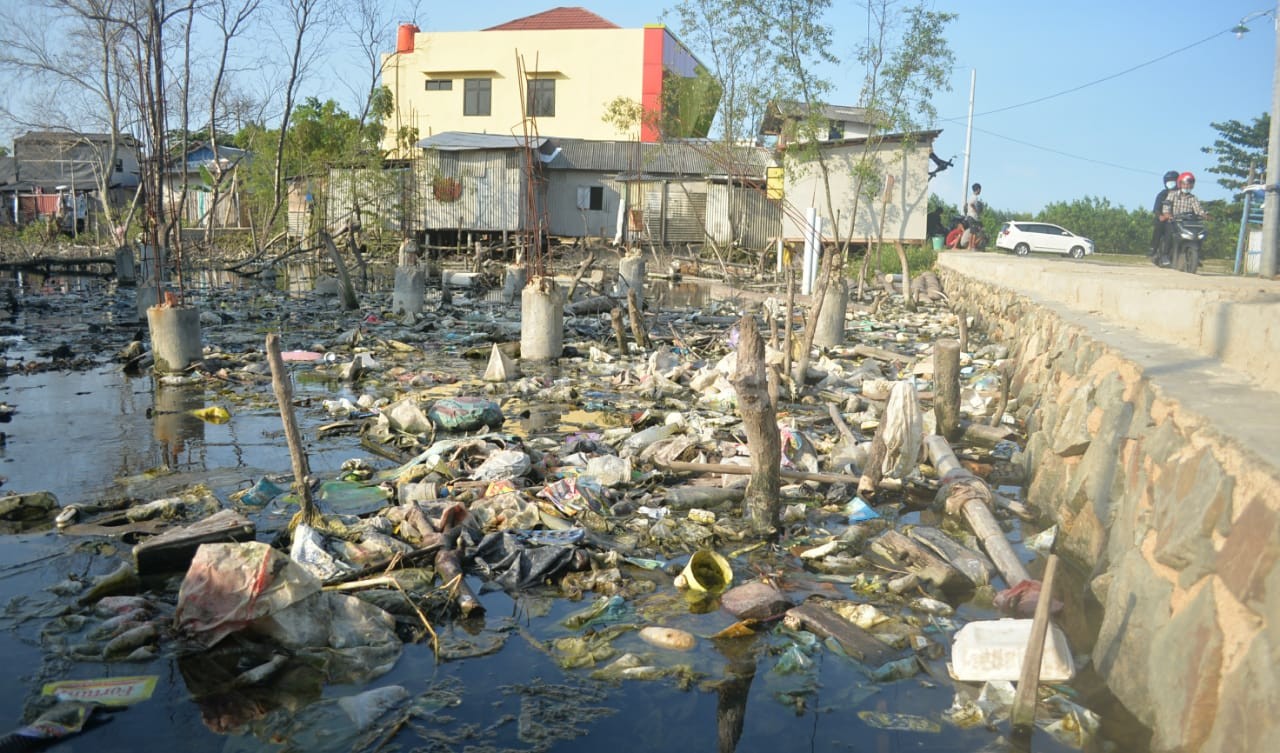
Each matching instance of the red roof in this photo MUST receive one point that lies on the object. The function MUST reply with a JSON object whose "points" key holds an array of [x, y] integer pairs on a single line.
{"points": [[564, 17]]}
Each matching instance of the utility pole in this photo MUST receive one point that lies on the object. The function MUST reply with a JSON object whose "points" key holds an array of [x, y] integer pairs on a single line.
{"points": [[968, 141], [1271, 207]]}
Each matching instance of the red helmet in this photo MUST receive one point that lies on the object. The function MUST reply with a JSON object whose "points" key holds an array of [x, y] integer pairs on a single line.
{"points": [[1186, 180]]}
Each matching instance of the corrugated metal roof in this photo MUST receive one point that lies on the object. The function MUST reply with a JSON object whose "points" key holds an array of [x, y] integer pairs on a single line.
{"points": [[458, 141], [701, 158], [563, 17]]}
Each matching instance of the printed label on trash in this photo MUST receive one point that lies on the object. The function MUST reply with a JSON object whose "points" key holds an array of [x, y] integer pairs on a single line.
{"points": [[113, 691]]}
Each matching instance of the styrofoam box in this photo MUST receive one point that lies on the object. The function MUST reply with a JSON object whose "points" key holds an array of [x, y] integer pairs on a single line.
{"points": [[993, 650]]}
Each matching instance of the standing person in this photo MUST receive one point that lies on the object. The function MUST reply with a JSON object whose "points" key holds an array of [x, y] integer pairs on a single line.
{"points": [[973, 218], [1159, 222]]}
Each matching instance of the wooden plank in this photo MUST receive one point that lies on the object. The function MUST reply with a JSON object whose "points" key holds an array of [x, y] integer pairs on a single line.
{"points": [[855, 641], [174, 549]]}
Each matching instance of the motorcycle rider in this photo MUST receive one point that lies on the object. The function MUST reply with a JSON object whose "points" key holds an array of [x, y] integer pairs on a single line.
{"points": [[1178, 202], [1182, 201], [1159, 224]]}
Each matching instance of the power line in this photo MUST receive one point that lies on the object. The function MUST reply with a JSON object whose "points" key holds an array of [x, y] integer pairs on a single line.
{"points": [[1073, 89], [1059, 152]]}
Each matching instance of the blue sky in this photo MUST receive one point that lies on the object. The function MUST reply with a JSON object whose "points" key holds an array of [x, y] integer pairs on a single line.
{"points": [[1112, 139]]}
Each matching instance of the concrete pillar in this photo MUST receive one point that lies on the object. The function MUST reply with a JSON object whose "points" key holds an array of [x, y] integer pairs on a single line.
{"points": [[148, 296], [541, 320], [410, 287], [830, 329], [408, 253], [631, 274], [175, 337], [126, 274], [513, 281]]}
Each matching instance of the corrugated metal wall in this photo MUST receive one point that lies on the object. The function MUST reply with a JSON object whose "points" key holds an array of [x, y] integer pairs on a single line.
{"points": [[380, 194], [489, 193], [756, 219], [567, 219], [675, 211]]}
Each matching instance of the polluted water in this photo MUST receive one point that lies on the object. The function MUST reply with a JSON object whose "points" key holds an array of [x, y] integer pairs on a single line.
{"points": [[557, 561]]}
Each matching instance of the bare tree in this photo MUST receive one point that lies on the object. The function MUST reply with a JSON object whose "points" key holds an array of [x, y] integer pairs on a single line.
{"points": [[230, 17], [72, 56]]}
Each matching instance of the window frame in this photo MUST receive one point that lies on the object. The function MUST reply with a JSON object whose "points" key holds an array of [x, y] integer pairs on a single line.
{"points": [[536, 94], [474, 90], [439, 85]]}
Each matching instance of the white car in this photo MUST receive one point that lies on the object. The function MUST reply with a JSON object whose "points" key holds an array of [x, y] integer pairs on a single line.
{"points": [[1024, 237]]}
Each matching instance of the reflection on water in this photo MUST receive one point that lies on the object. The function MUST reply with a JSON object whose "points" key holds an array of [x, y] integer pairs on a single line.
{"points": [[677, 295]]}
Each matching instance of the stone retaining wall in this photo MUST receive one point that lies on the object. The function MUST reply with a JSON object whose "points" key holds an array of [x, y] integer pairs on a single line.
{"points": [[1178, 523]]}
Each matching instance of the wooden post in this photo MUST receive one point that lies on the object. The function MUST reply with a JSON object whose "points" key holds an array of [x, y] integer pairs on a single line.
{"points": [[962, 323], [637, 321], [946, 381], [1023, 716], [619, 330], [760, 420], [1002, 368], [284, 396]]}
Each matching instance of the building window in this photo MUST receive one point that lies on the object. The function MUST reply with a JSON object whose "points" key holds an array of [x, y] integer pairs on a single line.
{"points": [[119, 165], [439, 84], [835, 130], [540, 101], [477, 96], [591, 198]]}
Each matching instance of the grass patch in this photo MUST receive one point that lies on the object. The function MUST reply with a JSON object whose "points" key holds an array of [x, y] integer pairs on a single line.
{"points": [[885, 261]]}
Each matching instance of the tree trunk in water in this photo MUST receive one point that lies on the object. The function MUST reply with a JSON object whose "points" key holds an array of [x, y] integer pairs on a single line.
{"points": [[759, 419], [946, 380], [637, 321], [829, 264], [349, 300]]}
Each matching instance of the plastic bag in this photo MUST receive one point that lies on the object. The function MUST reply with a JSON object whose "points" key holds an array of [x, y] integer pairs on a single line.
{"points": [[465, 414], [230, 586]]}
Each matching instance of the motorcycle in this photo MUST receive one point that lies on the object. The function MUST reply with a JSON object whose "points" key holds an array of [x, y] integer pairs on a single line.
{"points": [[1182, 243]]}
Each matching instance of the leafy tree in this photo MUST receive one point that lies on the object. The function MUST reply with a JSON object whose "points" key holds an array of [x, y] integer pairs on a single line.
{"points": [[1241, 150]]}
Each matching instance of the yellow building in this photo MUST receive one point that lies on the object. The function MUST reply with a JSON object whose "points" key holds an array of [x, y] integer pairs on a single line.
{"points": [[560, 68]]}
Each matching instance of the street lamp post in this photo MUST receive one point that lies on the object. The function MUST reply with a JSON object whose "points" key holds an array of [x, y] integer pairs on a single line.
{"points": [[1271, 200], [1271, 207]]}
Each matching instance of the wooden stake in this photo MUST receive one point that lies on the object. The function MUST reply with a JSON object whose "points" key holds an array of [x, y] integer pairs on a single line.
{"points": [[283, 387], [1023, 716], [619, 330], [637, 320], [760, 421], [946, 387]]}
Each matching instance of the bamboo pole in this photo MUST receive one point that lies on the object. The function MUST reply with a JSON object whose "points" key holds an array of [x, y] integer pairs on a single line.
{"points": [[1023, 716], [970, 496], [283, 388]]}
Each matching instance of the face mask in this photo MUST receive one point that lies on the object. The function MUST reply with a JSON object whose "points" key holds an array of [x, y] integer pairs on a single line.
{"points": [[1170, 184]]}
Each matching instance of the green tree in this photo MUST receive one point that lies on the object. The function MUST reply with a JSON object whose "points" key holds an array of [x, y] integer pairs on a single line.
{"points": [[1241, 150]]}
